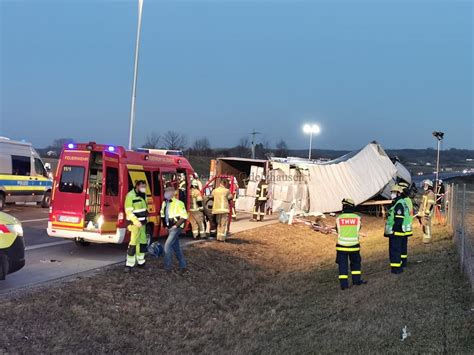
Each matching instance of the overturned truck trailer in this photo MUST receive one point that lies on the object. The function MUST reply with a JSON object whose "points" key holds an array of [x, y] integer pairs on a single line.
{"points": [[315, 187], [320, 186]]}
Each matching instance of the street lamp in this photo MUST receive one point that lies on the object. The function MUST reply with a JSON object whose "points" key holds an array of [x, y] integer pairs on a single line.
{"points": [[311, 129], [439, 136], [135, 74]]}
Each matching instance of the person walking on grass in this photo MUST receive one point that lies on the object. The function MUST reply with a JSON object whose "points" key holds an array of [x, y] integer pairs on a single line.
{"points": [[173, 216], [348, 225]]}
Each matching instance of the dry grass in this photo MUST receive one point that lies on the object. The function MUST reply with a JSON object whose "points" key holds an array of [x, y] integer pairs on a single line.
{"points": [[269, 290]]}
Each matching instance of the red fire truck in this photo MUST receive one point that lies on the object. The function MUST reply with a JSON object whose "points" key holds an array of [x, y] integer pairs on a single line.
{"points": [[91, 183]]}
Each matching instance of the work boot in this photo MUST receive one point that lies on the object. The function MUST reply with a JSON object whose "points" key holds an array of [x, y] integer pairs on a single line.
{"points": [[127, 270], [142, 266], [361, 282], [343, 287], [183, 270]]}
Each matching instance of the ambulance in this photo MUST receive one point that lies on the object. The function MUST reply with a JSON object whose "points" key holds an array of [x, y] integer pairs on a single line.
{"points": [[90, 185]]}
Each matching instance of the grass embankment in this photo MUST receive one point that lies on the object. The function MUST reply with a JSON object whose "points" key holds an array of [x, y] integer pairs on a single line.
{"points": [[269, 290]]}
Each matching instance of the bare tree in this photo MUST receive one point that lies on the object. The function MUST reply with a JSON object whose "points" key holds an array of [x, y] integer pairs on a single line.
{"points": [[201, 147], [152, 141], [243, 148], [281, 149], [174, 140]]}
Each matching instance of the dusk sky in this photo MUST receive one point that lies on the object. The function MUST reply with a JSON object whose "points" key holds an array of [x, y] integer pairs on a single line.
{"points": [[381, 70]]}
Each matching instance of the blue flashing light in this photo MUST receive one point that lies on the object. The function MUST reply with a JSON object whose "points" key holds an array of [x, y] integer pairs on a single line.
{"points": [[70, 146], [111, 148]]}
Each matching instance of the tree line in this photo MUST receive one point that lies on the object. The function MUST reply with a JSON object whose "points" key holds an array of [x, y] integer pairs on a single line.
{"points": [[200, 147]]}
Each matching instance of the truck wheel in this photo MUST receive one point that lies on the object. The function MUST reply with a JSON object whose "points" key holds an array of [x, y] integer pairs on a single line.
{"points": [[46, 202], [82, 243], [2, 201], [3, 265]]}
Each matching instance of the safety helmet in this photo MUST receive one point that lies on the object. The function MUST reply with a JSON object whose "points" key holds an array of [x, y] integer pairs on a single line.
{"points": [[404, 184], [397, 188], [155, 249], [194, 183], [427, 182], [348, 202]]}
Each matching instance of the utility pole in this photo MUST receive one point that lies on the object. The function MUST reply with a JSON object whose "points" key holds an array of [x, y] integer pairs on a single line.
{"points": [[135, 74], [439, 136], [253, 133]]}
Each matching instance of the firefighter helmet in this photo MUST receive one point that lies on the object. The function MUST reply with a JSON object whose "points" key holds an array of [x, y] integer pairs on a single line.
{"points": [[397, 188], [348, 202], [427, 182]]}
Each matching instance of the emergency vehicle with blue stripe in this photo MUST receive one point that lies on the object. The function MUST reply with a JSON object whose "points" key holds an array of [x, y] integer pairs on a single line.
{"points": [[23, 177], [91, 183]]}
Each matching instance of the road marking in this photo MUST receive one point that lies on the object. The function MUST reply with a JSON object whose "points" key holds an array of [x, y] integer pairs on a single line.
{"points": [[45, 245], [34, 220]]}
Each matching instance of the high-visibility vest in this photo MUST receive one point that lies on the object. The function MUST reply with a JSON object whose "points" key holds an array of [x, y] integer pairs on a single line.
{"points": [[195, 198], [410, 215], [136, 207], [176, 210], [262, 190], [221, 197], [348, 227], [399, 210]]}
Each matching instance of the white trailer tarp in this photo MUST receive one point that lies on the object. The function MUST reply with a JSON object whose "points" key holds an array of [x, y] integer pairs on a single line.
{"points": [[359, 176]]}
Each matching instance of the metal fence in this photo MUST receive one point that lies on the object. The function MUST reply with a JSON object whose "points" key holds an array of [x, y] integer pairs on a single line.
{"points": [[460, 217]]}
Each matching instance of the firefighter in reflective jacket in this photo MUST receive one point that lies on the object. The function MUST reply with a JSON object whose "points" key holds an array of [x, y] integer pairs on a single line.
{"points": [[426, 210], [398, 225], [196, 212], [407, 195], [348, 248], [220, 209], [136, 211], [260, 200]]}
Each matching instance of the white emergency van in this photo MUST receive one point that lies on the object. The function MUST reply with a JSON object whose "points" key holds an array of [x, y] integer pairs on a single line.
{"points": [[23, 177]]}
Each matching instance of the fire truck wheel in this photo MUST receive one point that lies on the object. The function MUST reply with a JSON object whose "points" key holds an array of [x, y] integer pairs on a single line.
{"points": [[2, 201], [82, 243], [46, 202]]}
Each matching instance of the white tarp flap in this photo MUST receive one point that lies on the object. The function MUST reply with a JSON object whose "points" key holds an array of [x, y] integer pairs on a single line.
{"points": [[358, 176]]}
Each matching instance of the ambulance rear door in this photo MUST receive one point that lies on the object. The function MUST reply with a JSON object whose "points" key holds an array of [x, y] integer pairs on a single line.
{"points": [[70, 190]]}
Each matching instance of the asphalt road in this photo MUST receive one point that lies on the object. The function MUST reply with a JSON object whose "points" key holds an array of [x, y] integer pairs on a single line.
{"points": [[49, 259]]}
